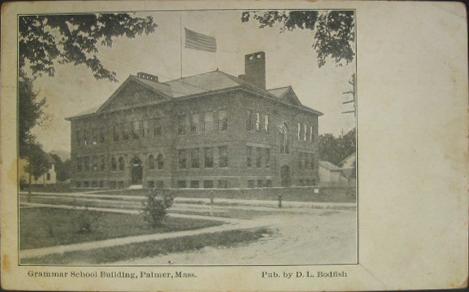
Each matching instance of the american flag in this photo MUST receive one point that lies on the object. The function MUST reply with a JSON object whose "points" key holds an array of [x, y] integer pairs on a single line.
{"points": [[198, 41]]}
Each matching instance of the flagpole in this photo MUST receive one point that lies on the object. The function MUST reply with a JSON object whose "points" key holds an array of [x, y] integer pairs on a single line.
{"points": [[180, 43]]}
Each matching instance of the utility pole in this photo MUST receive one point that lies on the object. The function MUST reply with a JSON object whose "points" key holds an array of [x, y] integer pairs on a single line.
{"points": [[351, 92]]}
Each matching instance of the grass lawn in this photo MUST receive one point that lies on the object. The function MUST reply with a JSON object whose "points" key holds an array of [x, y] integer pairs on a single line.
{"points": [[41, 227], [152, 248]]}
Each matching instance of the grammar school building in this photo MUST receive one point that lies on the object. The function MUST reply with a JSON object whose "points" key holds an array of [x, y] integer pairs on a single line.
{"points": [[211, 130]]}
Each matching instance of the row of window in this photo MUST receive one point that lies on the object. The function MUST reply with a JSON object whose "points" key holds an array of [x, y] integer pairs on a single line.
{"points": [[120, 131], [191, 158], [206, 122], [206, 184], [260, 183], [257, 157], [257, 121], [306, 160], [305, 132], [98, 163]]}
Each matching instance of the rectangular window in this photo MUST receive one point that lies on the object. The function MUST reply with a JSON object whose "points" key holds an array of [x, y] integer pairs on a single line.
{"points": [[248, 156], [222, 184], [145, 128], [86, 184], [85, 137], [160, 184], [208, 122], [157, 128], [125, 131], [102, 135], [300, 160], [306, 160], [299, 131], [120, 184], [305, 130], [151, 184], [222, 121], [223, 156], [115, 133], [311, 135], [260, 183], [301, 182], [87, 163], [102, 164], [195, 158], [208, 155], [94, 163], [182, 159], [249, 120], [267, 157], [112, 184], [195, 123], [94, 184], [77, 137], [182, 120], [266, 123], [259, 157], [79, 164], [194, 184], [78, 184], [181, 184], [208, 184], [251, 183], [258, 121], [136, 129], [268, 183], [94, 136], [311, 162]]}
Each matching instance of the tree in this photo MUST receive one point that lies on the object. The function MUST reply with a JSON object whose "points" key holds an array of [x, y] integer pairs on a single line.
{"points": [[332, 31], [31, 114], [47, 40], [38, 163], [335, 149], [62, 168]]}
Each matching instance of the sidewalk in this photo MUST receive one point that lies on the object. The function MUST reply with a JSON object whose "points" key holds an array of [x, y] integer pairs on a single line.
{"points": [[233, 224], [204, 201]]}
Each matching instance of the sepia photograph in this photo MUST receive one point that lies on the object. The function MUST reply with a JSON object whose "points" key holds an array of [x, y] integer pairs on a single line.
{"points": [[188, 137]]}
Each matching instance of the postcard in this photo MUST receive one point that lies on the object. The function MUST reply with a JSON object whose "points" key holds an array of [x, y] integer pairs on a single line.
{"points": [[234, 145]]}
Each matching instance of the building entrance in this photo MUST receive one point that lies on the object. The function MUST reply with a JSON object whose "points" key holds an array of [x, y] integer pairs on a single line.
{"points": [[136, 171]]}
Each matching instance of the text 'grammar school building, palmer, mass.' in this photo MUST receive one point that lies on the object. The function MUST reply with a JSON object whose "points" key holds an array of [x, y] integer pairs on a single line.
{"points": [[211, 130]]}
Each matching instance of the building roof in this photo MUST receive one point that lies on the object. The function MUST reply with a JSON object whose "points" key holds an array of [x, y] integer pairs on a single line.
{"points": [[329, 166], [352, 156], [212, 81]]}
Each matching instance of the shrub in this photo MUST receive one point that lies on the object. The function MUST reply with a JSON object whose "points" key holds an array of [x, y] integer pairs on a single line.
{"points": [[155, 205], [87, 220]]}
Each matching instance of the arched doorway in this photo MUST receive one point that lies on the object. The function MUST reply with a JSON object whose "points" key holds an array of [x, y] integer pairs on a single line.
{"points": [[285, 176], [136, 171]]}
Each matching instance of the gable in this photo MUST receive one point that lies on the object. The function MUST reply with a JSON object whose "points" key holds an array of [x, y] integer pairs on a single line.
{"points": [[290, 97], [131, 93]]}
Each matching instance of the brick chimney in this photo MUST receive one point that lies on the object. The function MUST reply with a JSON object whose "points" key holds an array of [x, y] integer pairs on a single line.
{"points": [[254, 68]]}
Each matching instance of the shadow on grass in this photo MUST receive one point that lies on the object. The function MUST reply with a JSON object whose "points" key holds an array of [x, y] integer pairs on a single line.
{"points": [[152, 248]]}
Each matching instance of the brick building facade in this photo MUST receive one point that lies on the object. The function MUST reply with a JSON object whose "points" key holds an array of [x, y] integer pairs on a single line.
{"points": [[211, 130]]}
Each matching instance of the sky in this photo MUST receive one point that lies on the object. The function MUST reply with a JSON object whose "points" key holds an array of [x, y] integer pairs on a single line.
{"points": [[290, 60]]}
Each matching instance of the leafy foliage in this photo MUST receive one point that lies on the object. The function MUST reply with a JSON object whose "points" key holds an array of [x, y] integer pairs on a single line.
{"points": [[74, 39], [62, 168], [332, 31], [38, 160], [154, 208], [335, 149], [31, 113], [45, 40]]}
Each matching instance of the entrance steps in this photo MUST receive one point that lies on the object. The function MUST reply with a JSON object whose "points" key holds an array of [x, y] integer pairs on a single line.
{"points": [[135, 187]]}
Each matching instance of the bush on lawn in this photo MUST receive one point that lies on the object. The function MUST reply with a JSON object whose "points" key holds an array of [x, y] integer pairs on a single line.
{"points": [[155, 205], [87, 220]]}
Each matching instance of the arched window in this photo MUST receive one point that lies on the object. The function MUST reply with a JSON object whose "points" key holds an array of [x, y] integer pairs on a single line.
{"points": [[151, 162], [284, 147], [121, 163], [160, 161], [113, 163]]}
